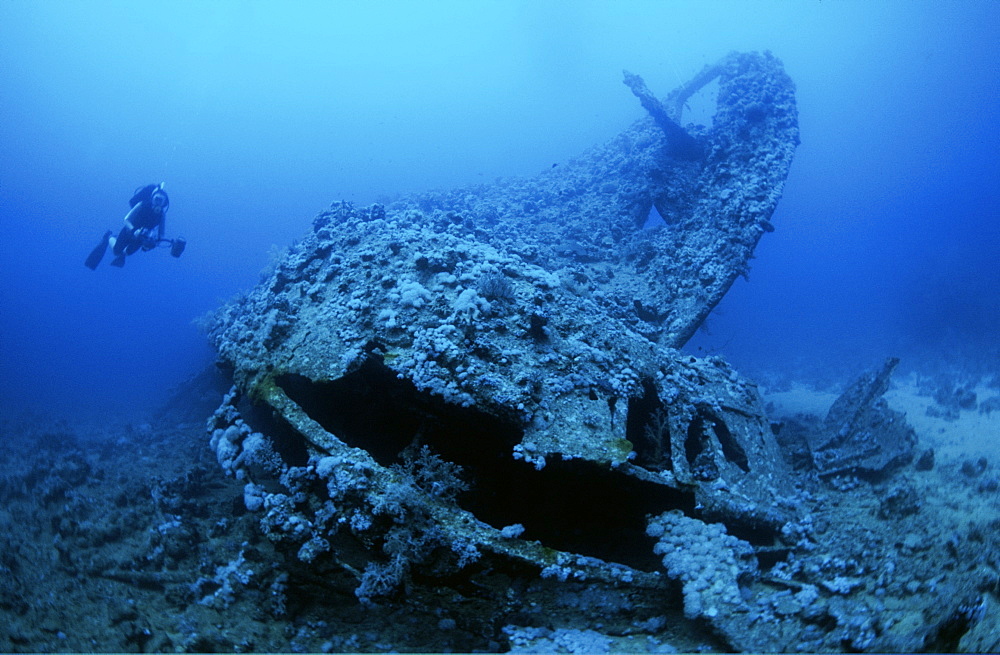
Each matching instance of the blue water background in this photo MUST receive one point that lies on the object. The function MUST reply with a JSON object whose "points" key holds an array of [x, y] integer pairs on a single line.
{"points": [[258, 115]]}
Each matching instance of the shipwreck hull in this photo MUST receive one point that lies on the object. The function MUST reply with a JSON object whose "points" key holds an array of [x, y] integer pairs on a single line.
{"points": [[491, 372]]}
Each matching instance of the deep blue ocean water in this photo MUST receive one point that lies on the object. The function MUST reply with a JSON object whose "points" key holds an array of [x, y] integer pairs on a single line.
{"points": [[257, 115]]}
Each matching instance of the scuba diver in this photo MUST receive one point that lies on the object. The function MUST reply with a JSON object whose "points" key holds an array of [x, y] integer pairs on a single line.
{"points": [[144, 226]]}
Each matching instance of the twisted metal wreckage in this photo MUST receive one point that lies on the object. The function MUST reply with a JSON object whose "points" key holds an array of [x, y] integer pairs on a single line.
{"points": [[488, 378]]}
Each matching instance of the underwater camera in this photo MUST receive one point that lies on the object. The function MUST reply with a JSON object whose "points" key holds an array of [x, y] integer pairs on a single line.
{"points": [[177, 246]]}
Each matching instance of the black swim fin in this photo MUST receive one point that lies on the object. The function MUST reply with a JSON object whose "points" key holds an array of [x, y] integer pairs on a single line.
{"points": [[97, 254]]}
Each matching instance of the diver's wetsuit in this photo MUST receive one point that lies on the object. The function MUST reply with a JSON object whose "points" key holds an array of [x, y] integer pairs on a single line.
{"points": [[144, 226], [142, 218]]}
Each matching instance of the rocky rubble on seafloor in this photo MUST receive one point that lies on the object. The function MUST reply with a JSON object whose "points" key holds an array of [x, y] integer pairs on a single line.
{"points": [[131, 539]]}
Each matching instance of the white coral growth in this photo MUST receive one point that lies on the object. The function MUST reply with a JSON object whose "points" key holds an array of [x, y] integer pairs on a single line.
{"points": [[706, 560]]}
